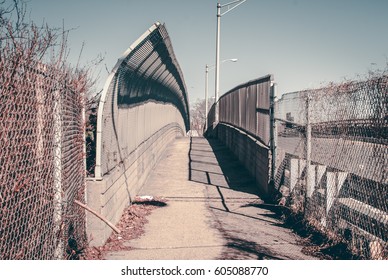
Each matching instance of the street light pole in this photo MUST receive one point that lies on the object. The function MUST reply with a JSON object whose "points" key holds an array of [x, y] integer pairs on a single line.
{"points": [[206, 96], [217, 86], [230, 6]]}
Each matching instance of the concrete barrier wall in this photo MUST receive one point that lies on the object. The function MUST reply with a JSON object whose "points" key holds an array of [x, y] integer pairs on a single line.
{"points": [[333, 205], [110, 195], [250, 152]]}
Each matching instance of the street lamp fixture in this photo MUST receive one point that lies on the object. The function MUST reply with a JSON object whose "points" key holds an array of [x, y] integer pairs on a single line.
{"points": [[229, 7]]}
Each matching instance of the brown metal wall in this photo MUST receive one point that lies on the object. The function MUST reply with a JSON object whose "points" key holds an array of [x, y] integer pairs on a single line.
{"points": [[247, 107]]}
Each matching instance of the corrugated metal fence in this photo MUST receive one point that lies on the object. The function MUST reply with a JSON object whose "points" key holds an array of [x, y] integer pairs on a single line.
{"points": [[144, 94], [247, 107]]}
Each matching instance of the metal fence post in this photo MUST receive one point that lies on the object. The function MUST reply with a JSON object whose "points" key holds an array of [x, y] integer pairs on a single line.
{"points": [[272, 128], [57, 219], [84, 144], [309, 183]]}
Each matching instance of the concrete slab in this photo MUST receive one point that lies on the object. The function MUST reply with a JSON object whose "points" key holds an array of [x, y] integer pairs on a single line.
{"points": [[182, 229], [207, 216]]}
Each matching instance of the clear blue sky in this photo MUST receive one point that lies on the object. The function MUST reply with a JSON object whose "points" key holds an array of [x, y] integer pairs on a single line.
{"points": [[302, 42]]}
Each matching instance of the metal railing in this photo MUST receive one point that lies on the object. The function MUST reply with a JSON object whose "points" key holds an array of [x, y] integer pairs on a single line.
{"points": [[246, 110], [247, 107]]}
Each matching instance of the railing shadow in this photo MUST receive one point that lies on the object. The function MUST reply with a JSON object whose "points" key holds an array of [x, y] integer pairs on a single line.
{"points": [[211, 163]]}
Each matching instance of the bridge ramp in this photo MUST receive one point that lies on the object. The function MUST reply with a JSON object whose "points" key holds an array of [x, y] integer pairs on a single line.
{"points": [[212, 212]]}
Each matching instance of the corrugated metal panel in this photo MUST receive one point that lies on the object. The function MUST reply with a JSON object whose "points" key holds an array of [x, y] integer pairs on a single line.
{"points": [[142, 95], [247, 107]]}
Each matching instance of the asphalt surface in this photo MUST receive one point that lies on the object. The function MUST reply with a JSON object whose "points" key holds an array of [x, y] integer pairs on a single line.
{"points": [[212, 212]]}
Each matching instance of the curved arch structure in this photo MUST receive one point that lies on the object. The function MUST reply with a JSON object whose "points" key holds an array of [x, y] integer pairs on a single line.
{"points": [[143, 108], [148, 72]]}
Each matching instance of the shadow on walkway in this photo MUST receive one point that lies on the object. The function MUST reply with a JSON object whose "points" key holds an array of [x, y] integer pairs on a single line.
{"points": [[250, 228], [211, 163]]}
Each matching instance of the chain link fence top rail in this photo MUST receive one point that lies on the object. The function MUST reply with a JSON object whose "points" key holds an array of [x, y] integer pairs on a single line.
{"points": [[144, 93], [41, 161], [341, 130], [247, 107]]}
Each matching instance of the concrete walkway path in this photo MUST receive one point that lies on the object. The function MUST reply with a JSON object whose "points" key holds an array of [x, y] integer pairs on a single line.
{"points": [[212, 210]]}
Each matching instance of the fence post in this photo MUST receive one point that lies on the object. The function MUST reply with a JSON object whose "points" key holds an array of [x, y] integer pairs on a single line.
{"points": [[84, 145], [309, 184], [57, 219], [272, 129]]}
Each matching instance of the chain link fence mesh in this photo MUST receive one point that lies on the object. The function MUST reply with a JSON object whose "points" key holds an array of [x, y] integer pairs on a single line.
{"points": [[328, 155], [41, 160], [332, 158]]}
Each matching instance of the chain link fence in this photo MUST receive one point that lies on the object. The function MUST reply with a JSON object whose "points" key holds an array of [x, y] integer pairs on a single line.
{"points": [[327, 154], [332, 158], [41, 160]]}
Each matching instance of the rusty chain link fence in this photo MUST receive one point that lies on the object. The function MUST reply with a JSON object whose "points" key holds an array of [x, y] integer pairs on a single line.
{"points": [[332, 158], [41, 159], [326, 159]]}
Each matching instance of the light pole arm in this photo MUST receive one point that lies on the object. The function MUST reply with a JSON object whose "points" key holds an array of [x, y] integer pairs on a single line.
{"points": [[209, 67], [234, 5]]}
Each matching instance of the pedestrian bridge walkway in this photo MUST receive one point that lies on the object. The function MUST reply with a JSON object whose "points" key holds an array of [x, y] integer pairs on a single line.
{"points": [[212, 212], [322, 153], [331, 170]]}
